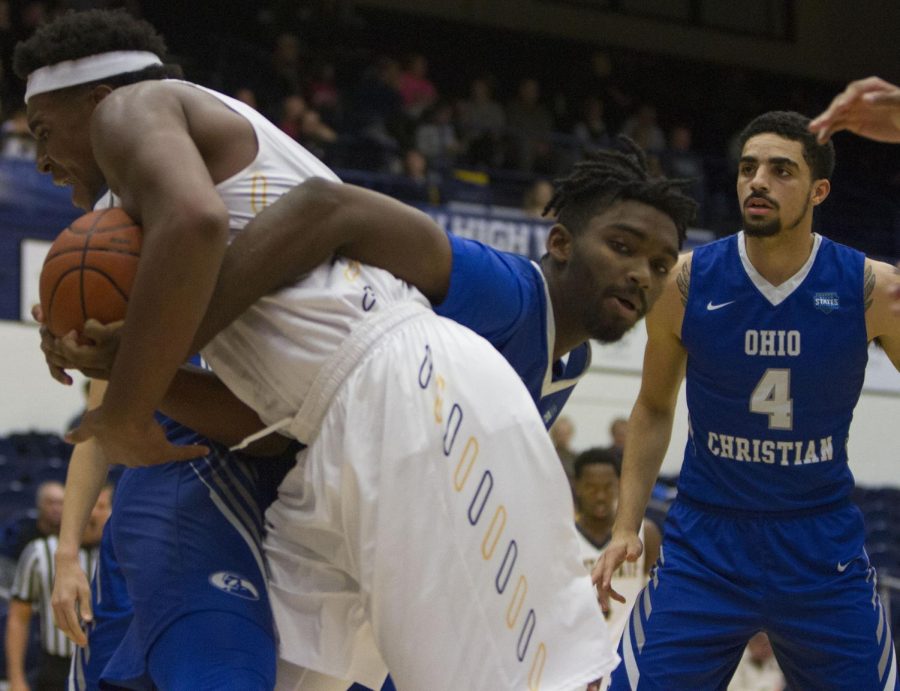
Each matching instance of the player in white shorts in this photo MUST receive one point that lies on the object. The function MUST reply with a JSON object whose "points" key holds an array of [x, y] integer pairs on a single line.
{"points": [[426, 525]]}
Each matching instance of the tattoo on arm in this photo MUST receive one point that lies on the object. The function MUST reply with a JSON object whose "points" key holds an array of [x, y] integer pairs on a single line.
{"points": [[683, 280], [868, 286]]}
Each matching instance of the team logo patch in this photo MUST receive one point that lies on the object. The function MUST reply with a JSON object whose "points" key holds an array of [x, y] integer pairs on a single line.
{"points": [[826, 302], [233, 584]]}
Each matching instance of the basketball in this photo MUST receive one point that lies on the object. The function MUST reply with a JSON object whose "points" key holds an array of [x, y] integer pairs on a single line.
{"points": [[89, 271]]}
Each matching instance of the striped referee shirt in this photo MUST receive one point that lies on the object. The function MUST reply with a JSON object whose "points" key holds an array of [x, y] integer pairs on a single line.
{"points": [[33, 583]]}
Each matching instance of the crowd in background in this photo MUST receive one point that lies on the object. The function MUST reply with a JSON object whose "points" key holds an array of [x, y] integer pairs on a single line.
{"points": [[436, 112]]}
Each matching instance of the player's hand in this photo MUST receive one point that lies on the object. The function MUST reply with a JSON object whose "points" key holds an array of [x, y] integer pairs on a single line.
{"points": [[92, 352], [595, 685], [131, 443], [18, 686], [622, 547], [71, 599], [56, 363], [867, 107]]}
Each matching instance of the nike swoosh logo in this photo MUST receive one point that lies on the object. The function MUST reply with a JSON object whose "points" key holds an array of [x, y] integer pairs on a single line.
{"points": [[843, 567], [711, 307]]}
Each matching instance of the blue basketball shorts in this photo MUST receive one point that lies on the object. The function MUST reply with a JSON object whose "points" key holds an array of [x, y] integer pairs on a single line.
{"points": [[805, 579]]}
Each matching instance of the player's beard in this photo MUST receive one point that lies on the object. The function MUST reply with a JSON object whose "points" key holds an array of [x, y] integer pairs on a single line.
{"points": [[774, 226]]}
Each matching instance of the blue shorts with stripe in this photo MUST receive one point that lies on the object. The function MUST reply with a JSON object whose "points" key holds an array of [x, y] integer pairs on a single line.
{"points": [[805, 579], [183, 539]]}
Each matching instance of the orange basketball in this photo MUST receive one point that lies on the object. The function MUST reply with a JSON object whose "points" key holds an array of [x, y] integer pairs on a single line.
{"points": [[89, 271]]}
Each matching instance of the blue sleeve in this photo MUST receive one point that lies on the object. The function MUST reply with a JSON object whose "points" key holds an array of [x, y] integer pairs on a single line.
{"points": [[489, 289]]}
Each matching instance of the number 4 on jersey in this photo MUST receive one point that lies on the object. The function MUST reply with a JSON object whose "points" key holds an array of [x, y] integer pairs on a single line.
{"points": [[772, 397]]}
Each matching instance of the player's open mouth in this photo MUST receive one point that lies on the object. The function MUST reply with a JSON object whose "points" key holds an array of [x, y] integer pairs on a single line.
{"points": [[626, 307], [757, 206]]}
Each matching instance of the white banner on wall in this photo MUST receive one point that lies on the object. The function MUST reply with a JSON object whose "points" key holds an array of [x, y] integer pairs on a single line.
{"points": [[32, 253]]}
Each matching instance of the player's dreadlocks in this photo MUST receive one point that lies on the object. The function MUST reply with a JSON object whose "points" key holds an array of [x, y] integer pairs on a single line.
{"points": [[76, 35], [607, 176]]}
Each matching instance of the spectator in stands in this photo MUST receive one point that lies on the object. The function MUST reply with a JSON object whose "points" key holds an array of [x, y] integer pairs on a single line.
{"points": [[679, 160], [758, 669], [591, 129], [324, 94], [283, 79], [33, 586], [530, 125], [618, 431], [596, 487], [416, 90], [482, 121], [315, 135], [602, 81], [375, 112], [644, 129], [49, 501], [436, 137], [293, 110], [422, 184], [561, 434], [536, 198]]}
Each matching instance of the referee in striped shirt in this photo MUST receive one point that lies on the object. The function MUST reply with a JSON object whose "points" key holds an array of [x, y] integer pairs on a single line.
{"points": [[33, 586]]}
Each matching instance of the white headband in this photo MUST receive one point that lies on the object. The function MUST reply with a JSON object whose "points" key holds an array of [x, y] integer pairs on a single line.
{"points": [[87, 69]]}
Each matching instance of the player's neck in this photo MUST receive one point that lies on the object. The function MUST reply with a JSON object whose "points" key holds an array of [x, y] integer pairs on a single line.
{"points": [[779, 257], [598, 530], [568, 335]]}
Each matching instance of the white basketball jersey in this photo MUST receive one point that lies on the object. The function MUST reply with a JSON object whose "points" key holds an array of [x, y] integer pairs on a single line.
{"points": [[628, 581], [271, 354]]}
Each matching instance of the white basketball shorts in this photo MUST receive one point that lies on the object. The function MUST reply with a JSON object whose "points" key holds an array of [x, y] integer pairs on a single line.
{"points": [[428, 527]]}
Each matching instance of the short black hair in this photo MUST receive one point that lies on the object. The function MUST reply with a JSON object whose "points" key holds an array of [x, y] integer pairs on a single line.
{"points": [[794, 126], [597, 455], [607, 176], [75, 35]]}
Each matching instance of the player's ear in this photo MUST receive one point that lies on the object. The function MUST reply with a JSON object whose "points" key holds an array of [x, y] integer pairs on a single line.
{"points": [[99, 92], [820, 190], [559, 243]]}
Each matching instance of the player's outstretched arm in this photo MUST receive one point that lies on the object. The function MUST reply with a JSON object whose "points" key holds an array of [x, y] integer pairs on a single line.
{"points": [[867, 107], [882, 296], [85, 478], [143, 144], [649, 429], [310, 224]]}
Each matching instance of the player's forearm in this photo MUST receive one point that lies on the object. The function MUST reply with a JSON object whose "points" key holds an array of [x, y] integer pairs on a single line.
{"points": [[284, 241], [199, 400], [86, 476], [176, 277], [17, 624], [310, 224], [648, 438]]}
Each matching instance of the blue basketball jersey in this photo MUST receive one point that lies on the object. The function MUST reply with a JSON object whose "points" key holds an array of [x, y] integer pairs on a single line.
{"points": [[503, 298], [773, 375]]}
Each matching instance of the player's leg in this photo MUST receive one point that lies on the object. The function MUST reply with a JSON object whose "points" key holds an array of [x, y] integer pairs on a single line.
{"points": [[827, 624], [691, 622], [189, 541], [212, 651], [450, 516], [112, 617]]}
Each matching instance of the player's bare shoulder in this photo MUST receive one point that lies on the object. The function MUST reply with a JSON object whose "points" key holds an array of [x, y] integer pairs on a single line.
{"points": [[881, 285], [668, 313]]}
